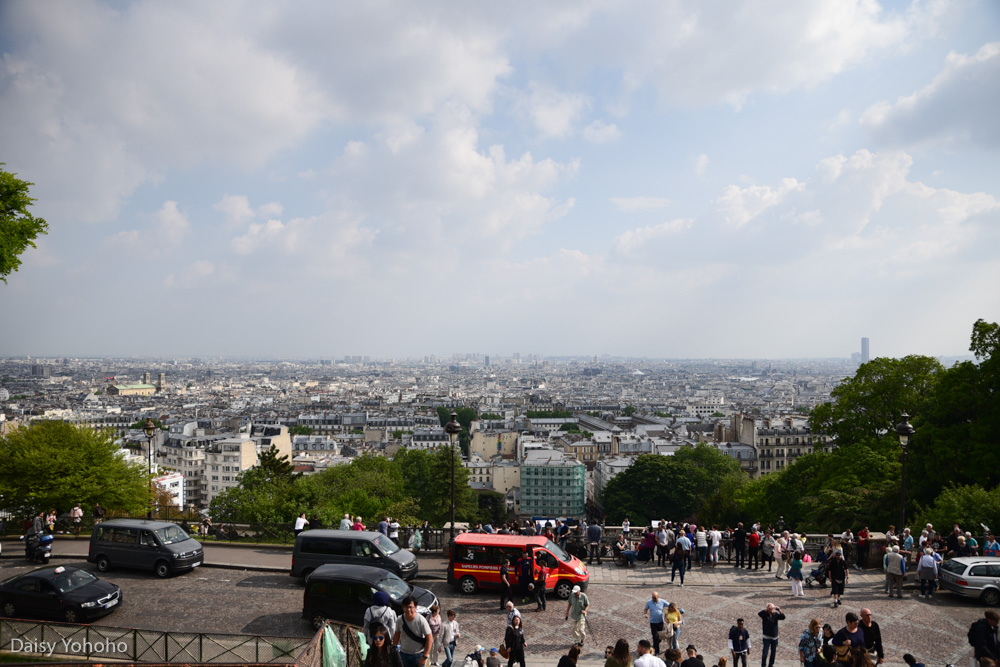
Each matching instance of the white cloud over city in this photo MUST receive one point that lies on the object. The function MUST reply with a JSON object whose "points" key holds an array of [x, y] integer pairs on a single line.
{"points": [[664, 180]]}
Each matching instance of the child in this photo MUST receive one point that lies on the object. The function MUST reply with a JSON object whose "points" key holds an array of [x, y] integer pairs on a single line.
{"points": [[449, 637], [493, 660]]}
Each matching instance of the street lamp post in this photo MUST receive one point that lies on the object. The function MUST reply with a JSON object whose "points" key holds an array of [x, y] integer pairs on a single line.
{"points": [[904, 430], [150, 428], [453, 428]]}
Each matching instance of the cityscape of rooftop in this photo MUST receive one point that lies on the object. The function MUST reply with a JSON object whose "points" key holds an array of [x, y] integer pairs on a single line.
{"points": [[680, 181]]}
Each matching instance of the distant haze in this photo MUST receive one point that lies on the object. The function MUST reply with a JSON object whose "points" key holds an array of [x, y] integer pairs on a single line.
{"points": [[663, 180]]}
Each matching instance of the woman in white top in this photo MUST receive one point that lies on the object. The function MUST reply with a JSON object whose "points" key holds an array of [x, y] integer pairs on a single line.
{"points": [[927, 571]]}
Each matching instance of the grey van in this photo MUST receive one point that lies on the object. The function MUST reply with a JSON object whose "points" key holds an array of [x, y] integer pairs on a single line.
{"points": [[350, 547], [160, 546]]}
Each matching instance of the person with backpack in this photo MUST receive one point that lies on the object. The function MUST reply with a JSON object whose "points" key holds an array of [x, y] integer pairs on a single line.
{"points": [[413, 635], [983, 636], [380, 611]]}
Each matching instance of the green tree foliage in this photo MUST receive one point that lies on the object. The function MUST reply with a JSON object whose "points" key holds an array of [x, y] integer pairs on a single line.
{"points": [[427, 479], [629, 410], [827, 492], [957, 439], [681, 486], [966, 505], [56, 464], [867, 407], [265, 494], [299, 429], [492, 508], [465, 417], [491, 416], [18, 227]]}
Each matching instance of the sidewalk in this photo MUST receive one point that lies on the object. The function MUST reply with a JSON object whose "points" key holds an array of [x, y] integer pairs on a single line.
{"points": [[278, 558]]}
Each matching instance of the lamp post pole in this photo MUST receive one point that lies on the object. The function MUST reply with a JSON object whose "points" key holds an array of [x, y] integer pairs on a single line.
{"points": [[150, 429], [453, 428], [904, 430]]}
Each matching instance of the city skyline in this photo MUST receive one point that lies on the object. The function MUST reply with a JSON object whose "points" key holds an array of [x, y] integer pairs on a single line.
{"points": [[681, 181]]}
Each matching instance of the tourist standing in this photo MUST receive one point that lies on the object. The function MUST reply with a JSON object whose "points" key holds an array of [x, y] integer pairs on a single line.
{"points": [[514, 639], [576, 608], [795, 574], [839, 575], [810, 644], [653, 612], [739, 643], [740, 545], [301, 523], [345, 523], [541, 581], [753, 541], [848, 641], [619, 656], [677, 559], [413, 635], [675, 619], [437, 625], [983, 637], [594, 535], [646, 656], [927, 571], [895, 571], [381, 651], [873, 637], [769, 618], [450, 635]]}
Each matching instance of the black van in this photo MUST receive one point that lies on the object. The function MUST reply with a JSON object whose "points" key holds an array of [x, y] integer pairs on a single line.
{"points": [[160, 546], [350, 547], [342, 593]]}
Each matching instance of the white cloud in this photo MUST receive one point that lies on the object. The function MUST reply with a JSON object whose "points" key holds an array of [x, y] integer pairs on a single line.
{"points": [[637, 239], [168, 229], [958, 106], [640, 203], [553, 112], [236, 208], [599, 132], [701, 164], [171, 225], [741, 205], [195, 275]]}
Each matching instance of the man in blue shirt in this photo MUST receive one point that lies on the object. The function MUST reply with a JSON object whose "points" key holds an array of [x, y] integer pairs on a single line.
{"points": [[654, 612], [739, 642]]}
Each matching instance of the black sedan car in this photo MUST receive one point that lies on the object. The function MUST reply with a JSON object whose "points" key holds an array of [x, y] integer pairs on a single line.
{"points": [[342, 593], [66, 593]]}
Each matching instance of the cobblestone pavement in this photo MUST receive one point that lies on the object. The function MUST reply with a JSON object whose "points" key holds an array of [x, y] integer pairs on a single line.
{"points": [[254, 594]]}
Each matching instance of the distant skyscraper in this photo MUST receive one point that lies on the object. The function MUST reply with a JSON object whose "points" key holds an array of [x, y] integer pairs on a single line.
{"points": [[487, 360], [864, 351]]}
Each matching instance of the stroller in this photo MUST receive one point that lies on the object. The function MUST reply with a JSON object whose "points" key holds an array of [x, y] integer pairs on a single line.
{"points": [[819, 573]]}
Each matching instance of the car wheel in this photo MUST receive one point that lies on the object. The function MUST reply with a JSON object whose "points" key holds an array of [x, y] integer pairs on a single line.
{"points": [[162, 569], [318, 620], [103, 564], [9, 609], [468, 585], [563, 590], [991, 597], [71, 616]]}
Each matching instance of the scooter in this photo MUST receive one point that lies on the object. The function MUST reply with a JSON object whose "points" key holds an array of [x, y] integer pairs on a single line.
{"points": [[40, 552]]}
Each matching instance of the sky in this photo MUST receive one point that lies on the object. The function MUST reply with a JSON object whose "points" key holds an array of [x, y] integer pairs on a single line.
{"points": [[315, 179]]}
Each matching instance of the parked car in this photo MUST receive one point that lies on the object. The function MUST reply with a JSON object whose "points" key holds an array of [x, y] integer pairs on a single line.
{"points": [[160, 546], [974, 577], [66, 593], [342, 593], [314, 548]]}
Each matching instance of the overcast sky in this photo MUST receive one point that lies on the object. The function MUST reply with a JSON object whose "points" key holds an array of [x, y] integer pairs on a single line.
{"points": [[660, 179]]}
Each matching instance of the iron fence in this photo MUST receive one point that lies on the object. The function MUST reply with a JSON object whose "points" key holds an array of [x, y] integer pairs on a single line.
{"points": [[148, 646]]}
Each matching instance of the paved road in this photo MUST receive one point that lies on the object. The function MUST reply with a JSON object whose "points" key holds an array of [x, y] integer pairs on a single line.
{"points": [[247, 590]]}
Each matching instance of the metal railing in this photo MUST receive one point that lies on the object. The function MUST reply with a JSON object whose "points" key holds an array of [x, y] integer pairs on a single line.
{"points": [[155, 646]]}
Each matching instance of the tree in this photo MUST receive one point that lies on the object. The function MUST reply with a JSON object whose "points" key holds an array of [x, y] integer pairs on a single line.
{"points": [[683, 485], [299, 429], [629, 410], [427, 479], [265, 493], [57, 464], [18, 227], [465, 417], [868, 406]]}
